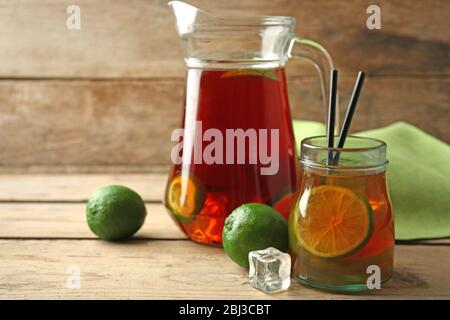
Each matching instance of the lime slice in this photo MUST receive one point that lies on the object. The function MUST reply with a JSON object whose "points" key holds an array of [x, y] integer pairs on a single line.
{"points": [[185, 197], [266, 73]]}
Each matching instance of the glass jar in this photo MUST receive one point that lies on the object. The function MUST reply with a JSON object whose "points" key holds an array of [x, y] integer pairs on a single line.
{"points": [[341, 227]]}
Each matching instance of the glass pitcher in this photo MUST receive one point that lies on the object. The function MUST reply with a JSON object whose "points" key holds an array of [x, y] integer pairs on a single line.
{"points": [[237, 144]]}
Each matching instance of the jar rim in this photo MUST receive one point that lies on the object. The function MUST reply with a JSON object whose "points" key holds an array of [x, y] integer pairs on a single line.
{"points": [[365, 154], [379, 144]]}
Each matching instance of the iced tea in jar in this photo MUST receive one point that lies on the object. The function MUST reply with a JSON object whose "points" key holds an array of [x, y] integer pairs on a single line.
{"points": [[341, 227]]}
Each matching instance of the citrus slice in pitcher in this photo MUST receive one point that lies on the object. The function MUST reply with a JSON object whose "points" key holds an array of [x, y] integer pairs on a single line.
{"points": [[334, 221], [184, 197], [266, 73]]}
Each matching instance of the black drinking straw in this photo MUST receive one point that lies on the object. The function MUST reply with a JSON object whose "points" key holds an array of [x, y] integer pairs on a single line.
{"points": [[332, 112], [350, 111]]}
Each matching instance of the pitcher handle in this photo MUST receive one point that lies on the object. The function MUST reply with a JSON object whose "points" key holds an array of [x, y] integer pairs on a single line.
{"points": [[319, 56]]}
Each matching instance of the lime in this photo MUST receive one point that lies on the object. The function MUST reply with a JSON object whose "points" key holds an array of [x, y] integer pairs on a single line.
{"points": [[253, 226], [185, 197], [115, 213], [334, 222]]}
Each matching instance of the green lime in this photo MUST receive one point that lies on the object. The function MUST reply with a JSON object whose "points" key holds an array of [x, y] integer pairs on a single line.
{"points": [[253, 226], [115, 213]]}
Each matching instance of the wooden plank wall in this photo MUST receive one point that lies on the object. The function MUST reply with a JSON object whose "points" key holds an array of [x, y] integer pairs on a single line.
{"points": [[109, 95]]}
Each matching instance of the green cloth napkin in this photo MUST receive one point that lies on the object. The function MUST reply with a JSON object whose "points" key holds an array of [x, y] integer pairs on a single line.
{"points": [[418, 177]]}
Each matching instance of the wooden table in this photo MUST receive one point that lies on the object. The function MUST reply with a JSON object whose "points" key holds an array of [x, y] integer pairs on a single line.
{"points": [[43, 235]]}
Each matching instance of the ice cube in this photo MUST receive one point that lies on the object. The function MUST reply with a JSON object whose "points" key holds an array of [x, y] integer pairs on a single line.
{"points": [[270, 270]]}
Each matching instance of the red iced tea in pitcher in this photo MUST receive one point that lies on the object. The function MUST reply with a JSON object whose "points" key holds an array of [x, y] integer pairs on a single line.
{"points": [[245, 114]]}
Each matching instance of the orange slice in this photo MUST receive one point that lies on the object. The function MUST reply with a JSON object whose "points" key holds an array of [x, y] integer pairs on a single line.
{"points": [[333, 221], [185, 197]]}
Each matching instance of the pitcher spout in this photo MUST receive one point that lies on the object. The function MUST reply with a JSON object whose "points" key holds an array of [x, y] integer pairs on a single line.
{"points": [[187, 16], [231, 41]]}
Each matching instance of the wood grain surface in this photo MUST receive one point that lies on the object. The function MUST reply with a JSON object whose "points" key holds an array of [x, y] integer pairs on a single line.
{"points": [[181, 269], [43, 234], [129, 123], [68, 221], [137, 38], [76, 187], [109, 95]]}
